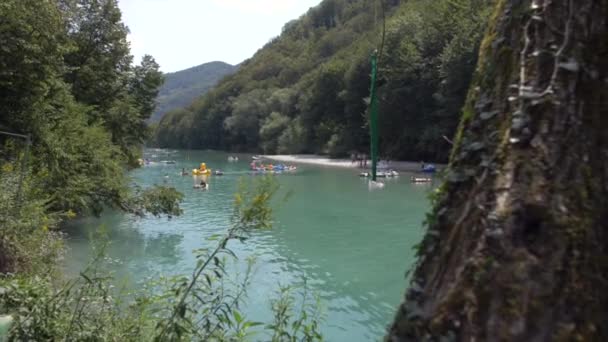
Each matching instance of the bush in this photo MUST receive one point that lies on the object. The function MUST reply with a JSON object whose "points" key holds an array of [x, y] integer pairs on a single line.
{"points": [[28, 241]]}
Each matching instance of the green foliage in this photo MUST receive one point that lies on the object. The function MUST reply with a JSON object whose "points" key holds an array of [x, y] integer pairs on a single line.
{"points": [[292, 325], [435, 46], [319, 70], [78, 164], [33, 45], [175, 132], [83, 309], [28, 242], [157, 200], [99, 58], [271, 129], [292, 140], [145, 84], [243, 123], [66, 79], [200, 307]]}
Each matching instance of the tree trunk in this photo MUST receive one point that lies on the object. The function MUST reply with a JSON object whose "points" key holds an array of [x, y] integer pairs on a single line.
{"points": [[517, 240]]}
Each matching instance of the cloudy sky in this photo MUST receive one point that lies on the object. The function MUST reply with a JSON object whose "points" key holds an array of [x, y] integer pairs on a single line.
{"points": [[184, 33]]}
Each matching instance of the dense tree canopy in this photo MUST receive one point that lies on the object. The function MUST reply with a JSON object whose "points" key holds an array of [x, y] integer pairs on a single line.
{"points": [[67, 80], [305, 91]]}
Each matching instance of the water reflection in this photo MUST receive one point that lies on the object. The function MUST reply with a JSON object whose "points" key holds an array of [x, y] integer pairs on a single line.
{"points": [[165, 248], [128, 245]]}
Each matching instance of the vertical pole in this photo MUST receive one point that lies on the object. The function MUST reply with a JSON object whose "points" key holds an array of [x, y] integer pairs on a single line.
{"points": [[374, 116]]}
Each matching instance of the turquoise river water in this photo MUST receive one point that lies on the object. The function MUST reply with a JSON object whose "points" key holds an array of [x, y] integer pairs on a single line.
{"points": [[352, 245]]}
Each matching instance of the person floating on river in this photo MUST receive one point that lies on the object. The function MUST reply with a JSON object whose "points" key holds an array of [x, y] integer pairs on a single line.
{"points": [[202, 185], [184, 173]]}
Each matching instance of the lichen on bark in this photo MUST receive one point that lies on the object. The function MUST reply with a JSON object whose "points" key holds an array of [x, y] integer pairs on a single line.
{"points": [[516, 249]]}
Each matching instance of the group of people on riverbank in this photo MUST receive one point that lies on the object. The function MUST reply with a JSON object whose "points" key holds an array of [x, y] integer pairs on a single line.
{"points": [[361, 160]]}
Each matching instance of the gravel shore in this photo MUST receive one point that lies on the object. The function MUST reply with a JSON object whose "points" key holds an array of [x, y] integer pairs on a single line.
{"points": [[325, 161]]}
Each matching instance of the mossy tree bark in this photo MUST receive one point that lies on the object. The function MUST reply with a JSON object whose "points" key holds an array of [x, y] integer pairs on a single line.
{"points": [[516, 248]]}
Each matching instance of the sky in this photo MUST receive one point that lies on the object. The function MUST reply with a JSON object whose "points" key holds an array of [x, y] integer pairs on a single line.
{"points": [[184, 33]]}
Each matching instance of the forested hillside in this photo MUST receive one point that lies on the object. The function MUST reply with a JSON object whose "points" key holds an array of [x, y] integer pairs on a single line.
{"points": [[306, 91], [183, 87]]}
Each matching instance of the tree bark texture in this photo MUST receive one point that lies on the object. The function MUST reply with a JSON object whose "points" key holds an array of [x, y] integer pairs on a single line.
{"points": [[516, 247]]}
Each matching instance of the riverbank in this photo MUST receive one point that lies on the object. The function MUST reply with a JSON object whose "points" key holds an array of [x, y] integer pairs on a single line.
{"points": [[347, 163]]}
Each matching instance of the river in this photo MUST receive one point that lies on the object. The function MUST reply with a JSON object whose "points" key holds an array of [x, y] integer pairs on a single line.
{"points": [[352, 245]]}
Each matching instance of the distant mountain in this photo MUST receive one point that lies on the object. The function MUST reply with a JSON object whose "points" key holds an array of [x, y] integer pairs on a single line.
{"points": [[182, 87]]}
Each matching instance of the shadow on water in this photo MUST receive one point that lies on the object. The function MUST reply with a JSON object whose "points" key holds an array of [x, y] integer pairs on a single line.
{"points": [[129, 247]]}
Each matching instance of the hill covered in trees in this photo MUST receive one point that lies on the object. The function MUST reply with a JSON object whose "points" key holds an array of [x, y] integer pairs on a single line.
{"points": [[306, 90], [183, 87]]}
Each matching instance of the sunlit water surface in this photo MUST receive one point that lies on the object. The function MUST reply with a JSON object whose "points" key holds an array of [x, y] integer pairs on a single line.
{"points": [[352, 245]]}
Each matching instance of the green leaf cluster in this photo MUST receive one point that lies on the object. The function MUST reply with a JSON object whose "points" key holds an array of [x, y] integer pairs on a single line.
{"points": [[67, 80], [28, 243], [68, 83]]}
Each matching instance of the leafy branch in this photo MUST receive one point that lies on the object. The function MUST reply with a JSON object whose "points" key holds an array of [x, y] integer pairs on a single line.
{"points": [[251, 211]]}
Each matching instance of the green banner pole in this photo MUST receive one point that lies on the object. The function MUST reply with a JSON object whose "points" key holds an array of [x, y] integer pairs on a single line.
{"points": [[374, 116]]}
